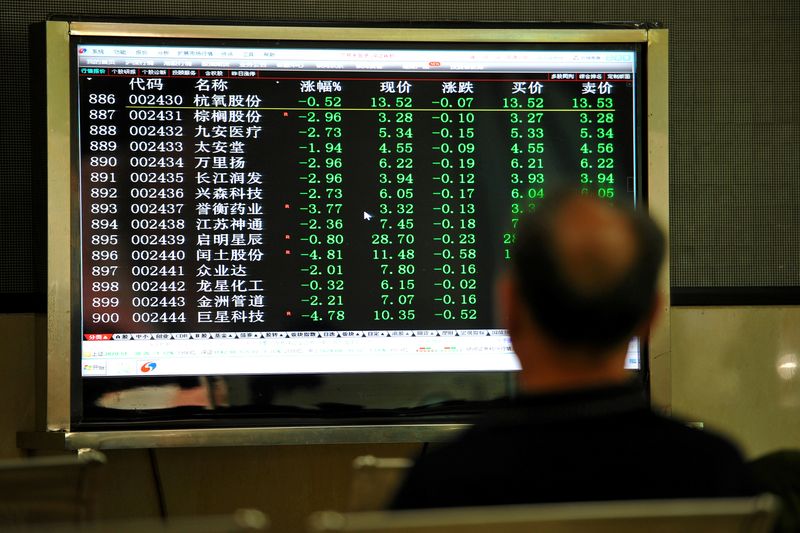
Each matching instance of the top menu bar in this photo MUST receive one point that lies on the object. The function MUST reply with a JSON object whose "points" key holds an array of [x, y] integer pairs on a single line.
{"points": [[354, 60]]}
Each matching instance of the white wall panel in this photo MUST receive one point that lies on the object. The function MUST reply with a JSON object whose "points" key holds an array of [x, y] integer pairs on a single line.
{"points": [[737, 370]]}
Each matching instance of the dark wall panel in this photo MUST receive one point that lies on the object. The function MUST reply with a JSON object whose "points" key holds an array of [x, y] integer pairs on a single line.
{"points": [[734, 125]]}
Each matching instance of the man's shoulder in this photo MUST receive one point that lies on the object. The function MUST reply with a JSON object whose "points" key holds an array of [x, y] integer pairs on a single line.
{"points": [[636, 454], [528, 428], [641, 428]]}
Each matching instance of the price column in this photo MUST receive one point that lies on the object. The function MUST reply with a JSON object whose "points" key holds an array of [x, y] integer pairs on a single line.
{"points": [[392, 241], [525, 106], [596, 114], [455, 225]]}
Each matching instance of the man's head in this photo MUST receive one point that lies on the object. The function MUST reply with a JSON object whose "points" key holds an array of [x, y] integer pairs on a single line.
{"points": [[584, 275]]}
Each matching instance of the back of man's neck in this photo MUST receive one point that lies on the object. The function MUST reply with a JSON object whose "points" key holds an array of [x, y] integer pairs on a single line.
{"points": [[564, 373]]}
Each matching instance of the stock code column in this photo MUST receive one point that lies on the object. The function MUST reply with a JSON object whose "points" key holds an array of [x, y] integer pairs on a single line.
{"points": [[133, 194], [172, 208]]}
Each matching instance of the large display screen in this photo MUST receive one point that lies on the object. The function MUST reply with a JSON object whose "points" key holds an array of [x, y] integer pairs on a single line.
{"points": [[303, 207]]}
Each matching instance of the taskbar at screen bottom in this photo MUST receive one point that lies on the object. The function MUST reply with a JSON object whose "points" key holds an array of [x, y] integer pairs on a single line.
{"points": [[305, 352], [189, 354]]}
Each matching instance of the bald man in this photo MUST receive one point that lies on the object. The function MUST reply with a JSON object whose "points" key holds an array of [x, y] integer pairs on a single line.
{"points": [[582, 284]]}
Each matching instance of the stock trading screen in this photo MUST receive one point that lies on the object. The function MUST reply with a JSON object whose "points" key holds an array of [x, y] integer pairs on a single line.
{"points": [[243, 209]]}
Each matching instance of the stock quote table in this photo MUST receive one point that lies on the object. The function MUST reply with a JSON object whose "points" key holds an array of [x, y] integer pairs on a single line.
{"points": [[255, 200]]}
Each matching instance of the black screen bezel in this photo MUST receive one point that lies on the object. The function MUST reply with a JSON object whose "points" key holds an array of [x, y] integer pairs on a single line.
{"points": [[85, 417]]}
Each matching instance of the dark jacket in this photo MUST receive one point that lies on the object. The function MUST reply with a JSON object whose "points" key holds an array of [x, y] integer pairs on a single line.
{"points": [[590, 445]]}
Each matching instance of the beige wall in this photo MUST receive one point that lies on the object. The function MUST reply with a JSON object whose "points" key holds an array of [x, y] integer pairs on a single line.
{"points": [[724, 372], [736, 369]]}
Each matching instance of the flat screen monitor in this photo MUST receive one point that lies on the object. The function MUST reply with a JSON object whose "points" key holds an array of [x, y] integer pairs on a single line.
{"points": [[297, 225]]}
